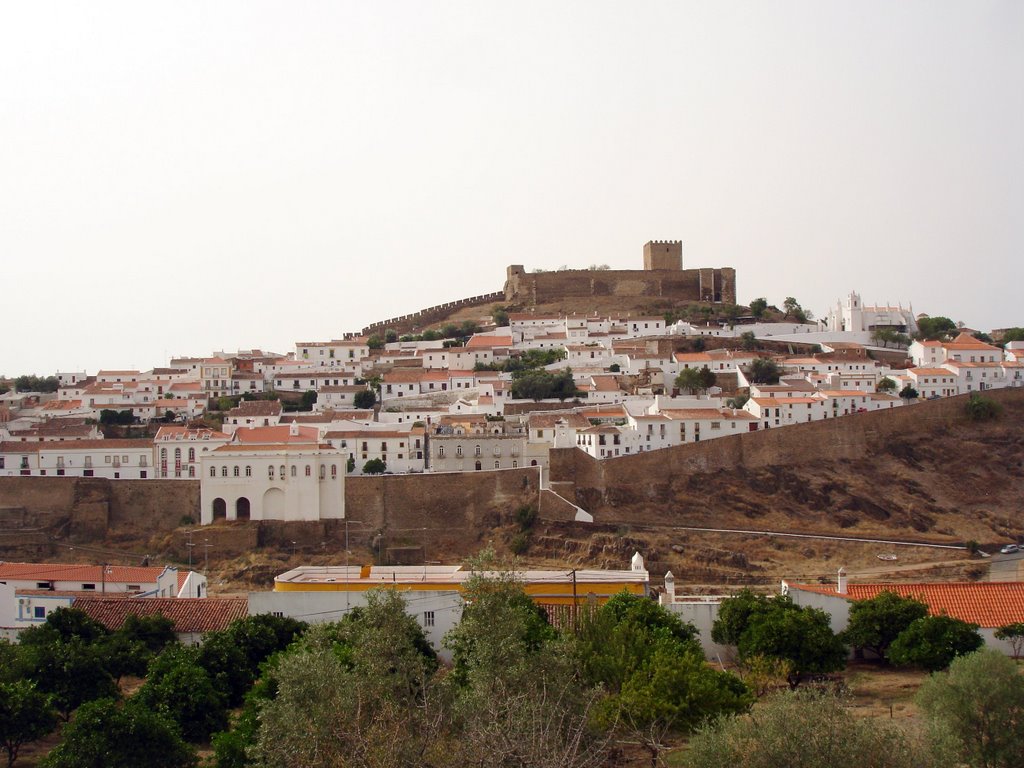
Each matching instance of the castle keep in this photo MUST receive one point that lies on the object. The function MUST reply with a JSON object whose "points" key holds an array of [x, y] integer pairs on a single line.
{"points": [[662, 276]]}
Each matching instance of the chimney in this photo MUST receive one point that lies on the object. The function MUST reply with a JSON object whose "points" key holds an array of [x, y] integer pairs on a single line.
{"points": [[293, 429], [670, 589], [637, 562], [841, 582]]}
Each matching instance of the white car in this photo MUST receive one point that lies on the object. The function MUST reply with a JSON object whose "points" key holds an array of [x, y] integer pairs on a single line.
{"points": [[1009, 549]]}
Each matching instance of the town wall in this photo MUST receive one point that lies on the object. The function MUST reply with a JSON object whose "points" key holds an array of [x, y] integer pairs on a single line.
{"points": [[417, 321], [714, 285], [650, 480]]}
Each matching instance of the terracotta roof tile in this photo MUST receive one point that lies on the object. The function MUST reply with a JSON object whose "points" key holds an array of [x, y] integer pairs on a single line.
{"points": [[987, 604], [88, 573], [189, 614]]}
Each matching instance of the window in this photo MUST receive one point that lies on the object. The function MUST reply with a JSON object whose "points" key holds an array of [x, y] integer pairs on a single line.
{"points": [[191, 454], [282, 472], [224, 471], [39, 612], [440, 453], [334, 471], [235, 471], [515, 464], [295, 471], [177, 454], [270, 471], [309, 471], [248, 471], [191, 472], [323, 472], [88, 587], [428, 618], [213, 471], [458, 451], [163, 454], [497, 465]]}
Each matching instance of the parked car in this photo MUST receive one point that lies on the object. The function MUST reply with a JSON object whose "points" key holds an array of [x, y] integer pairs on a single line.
{"points": [[1009, 549]]}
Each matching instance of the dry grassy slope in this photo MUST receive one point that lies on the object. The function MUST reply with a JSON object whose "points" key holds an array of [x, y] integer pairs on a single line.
{"points": [[946, 481]]}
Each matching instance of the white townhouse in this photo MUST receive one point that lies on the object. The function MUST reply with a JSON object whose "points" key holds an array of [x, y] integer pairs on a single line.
{"points": [[424, 414], [178, 450], [303, 381], [247, 383], [977, 377], [337, 398], [926, 354], [588, 355], [934, 382], [463, 453], [215, 374], [433, 357], [401, 448], [332, 354], [784, 411], [400, 383], [117, 377], [605, 441], [273, 473], [112, 459], [252, 413], [645, 326]]}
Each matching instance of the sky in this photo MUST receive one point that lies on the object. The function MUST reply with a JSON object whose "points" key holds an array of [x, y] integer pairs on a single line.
{"points": [[185, 177]]}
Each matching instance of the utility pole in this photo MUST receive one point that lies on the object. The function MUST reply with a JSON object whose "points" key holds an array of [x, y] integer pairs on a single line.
{"points": [[206, 556], [103, 578], [189, 545], [574, 601]]}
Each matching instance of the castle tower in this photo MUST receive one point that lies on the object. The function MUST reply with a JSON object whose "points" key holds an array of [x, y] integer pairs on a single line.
{"points": [[663, 254]]}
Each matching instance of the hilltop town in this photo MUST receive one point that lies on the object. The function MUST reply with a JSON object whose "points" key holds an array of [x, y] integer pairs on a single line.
{"points": [[272, 436], [586, 439]]}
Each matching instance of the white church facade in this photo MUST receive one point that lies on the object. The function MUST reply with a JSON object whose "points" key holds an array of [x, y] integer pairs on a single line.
{"points": [[286, 480], [852, 316]]}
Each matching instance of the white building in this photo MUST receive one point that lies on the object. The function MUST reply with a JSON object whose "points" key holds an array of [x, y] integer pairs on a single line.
{"points": [[292, 478], [852, 316], [178, 450]]}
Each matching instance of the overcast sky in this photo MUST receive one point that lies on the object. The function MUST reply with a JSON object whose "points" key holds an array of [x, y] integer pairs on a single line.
{"points": [[224, 175]]}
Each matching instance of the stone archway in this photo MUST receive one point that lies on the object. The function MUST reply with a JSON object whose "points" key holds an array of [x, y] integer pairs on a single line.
{"points": [[242, 508], [220, 508]]}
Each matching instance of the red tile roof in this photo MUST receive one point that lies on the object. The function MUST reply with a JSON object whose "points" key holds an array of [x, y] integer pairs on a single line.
{"points": [[987, 604], [87, 573], [189, 614]]}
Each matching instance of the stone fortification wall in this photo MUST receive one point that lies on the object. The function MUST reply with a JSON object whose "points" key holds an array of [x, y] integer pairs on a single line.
{"points": [[714, 285], [651, 480], [442, 512], [420, 320]]}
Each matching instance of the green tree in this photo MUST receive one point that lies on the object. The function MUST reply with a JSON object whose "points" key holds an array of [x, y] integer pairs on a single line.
{"points": [[908, 393], [124, 656], [353, 693], [365, 398], [653, 668], [308, 400], [758, 307], [72, 672], [36, 384], [390, 336], [543, 385], [978, 706], [982, 408], [886, 385], [1012, 334], [731, 312], [350, 465], [25, 715], [776, 628], [876, 623], [181, 690], [375, 342], [934, 327], [63, 625], [748, 340], [227, 665], [500, 316], [106, 735], [765, 371], [695, 379], [737, 402], [1014, 635], [808, 729], [933, 642], [375, 467], [155, 632]]}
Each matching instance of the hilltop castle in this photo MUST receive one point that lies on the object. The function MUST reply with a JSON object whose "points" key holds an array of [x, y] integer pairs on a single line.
{"points": [[662, 276]]}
